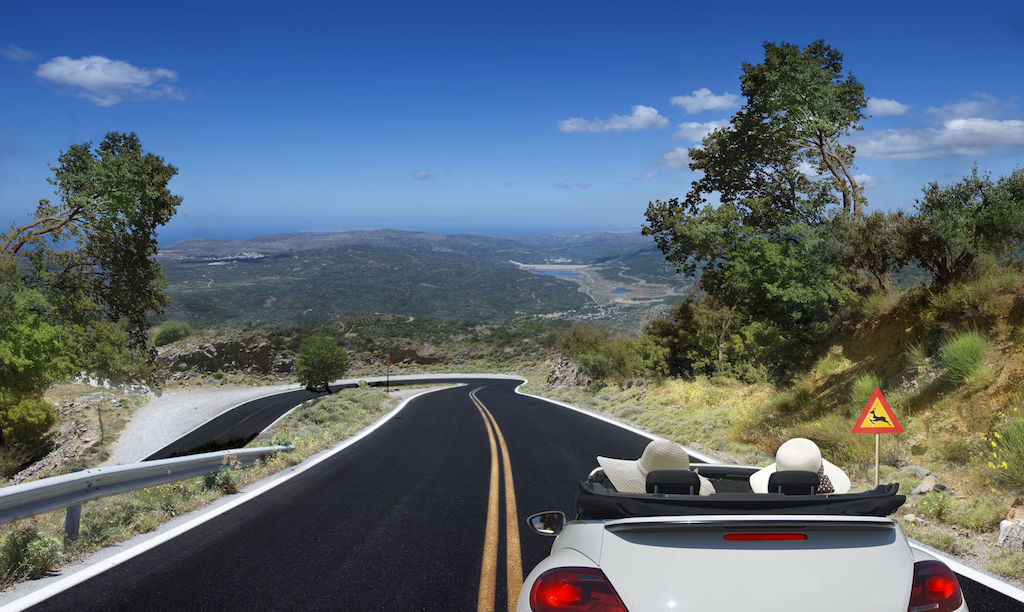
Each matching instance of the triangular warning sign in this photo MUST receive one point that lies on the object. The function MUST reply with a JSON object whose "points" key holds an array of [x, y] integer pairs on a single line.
{"points": [[877, 417]]}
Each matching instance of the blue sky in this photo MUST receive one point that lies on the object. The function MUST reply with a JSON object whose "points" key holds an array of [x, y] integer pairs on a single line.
{"points": [[476, 116]]}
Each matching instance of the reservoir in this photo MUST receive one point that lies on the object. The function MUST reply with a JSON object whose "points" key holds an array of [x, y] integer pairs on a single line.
{"points": [[558, 273]]}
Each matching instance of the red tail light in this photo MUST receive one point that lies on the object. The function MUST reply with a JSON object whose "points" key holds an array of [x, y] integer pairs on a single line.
{"points": [[935, 588], [764, 537], [579, 589]]}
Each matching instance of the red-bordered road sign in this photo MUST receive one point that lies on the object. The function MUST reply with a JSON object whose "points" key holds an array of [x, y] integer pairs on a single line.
{"points": [[877, 416]]}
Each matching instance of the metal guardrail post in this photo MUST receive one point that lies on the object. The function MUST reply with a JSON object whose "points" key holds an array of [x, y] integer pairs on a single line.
{"points": [[72, 519]]}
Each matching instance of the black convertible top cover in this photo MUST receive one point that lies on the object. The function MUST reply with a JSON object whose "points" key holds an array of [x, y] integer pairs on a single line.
{"points": [[596, 501]]}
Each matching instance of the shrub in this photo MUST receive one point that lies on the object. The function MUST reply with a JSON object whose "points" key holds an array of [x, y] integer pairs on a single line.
{"points": [[226, 480], [977, 513], [963, 356], [935, 505], [1006, 563], [946, 542], [1006, 450], [917, 356], [28, 553], [862, 388], [171, 331], [25, 423]]}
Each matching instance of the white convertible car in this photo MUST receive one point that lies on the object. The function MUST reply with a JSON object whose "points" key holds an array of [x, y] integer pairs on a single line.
{"points": [[791, 549]]}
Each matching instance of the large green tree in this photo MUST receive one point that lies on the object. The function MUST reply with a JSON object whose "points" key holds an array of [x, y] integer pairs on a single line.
{"points": [[957, 222], [778, 171], [111, 201], [320, 361]]}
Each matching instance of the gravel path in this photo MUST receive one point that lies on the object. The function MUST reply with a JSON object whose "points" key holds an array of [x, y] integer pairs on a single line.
{"points": [[174, 413]]}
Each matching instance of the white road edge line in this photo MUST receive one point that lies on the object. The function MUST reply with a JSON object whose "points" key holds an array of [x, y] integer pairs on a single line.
{"points": [[975, 574], [84, 574]]}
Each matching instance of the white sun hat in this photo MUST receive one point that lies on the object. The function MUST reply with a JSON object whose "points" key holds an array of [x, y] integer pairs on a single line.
{"points": [[630, 475], [800, 454]]}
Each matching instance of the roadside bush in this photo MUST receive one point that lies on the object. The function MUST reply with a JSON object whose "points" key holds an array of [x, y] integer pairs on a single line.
{"points": [[861, 390], [1006, 563], [615, 358], [25, 423], [1006, 450], [963, 356], [226, 480], [946, 542], [935, 505], [977, 513], [26, 553], [171, 331]]}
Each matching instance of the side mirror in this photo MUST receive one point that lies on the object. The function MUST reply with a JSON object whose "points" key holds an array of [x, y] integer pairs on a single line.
{"points": [[547, 523]]}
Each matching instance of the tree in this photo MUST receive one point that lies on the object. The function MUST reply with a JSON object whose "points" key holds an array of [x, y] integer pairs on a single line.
{"points": [[111, 202], [776, 169], [876, 243], [320, 361], [35, 352], [957, 222]]}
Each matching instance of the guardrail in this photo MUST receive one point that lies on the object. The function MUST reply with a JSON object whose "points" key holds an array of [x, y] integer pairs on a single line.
{"points": [[71, 490]]}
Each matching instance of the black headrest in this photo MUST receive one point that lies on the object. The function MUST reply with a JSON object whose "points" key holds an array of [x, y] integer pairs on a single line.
{"points": [[792, 482], [679, 482]]}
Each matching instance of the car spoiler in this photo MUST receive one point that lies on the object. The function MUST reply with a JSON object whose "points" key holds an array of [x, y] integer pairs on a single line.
{"points": [[596, 502]]}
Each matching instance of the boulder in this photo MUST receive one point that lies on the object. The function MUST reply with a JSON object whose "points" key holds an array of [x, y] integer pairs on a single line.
{"points": [[929, 485], [1011, 535]]}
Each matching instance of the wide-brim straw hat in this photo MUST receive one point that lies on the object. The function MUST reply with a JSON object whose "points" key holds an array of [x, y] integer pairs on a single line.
{"points": [[803, 455], [630, 475]]}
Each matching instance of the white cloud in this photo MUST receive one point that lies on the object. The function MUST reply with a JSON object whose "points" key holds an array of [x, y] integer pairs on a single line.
{"points": [[678, 158], [646, 176], [702, 99], [695, 131], [422, 175], [563, 184], [973, 136], [807, 169], [583, 185], [643, 118], [884, 106], [980, 105], [866, 180], [106, 82], [14, 53]]}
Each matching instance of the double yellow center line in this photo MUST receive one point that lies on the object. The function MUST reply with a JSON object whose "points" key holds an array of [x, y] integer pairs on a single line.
{"points": [[514, 563]]}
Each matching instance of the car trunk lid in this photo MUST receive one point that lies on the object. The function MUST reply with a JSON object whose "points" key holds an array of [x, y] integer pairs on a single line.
{"points": [[758, 563]]}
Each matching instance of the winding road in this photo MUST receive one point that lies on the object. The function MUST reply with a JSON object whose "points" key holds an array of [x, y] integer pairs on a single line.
{"points": [[423, 514]]}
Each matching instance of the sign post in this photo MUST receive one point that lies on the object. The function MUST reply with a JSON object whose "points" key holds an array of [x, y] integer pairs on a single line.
{"points": [[877, 418], [387, 378]]}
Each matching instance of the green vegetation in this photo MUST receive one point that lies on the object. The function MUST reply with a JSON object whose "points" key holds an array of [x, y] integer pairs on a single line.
{"points": [[32, 546], [1006, 563], [320, 361], [1005, 449], [26, 553], [171, 331], [310, 287], [87, 307], [963, 356], [946, 542], [861, 391], [619, 358]]}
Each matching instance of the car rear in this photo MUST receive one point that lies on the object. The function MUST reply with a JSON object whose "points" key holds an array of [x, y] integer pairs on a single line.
{"points": [[763, 563]]}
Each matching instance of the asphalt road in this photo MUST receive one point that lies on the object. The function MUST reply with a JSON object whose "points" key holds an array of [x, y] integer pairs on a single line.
{"points": [[397, 521], [413, 517]]}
